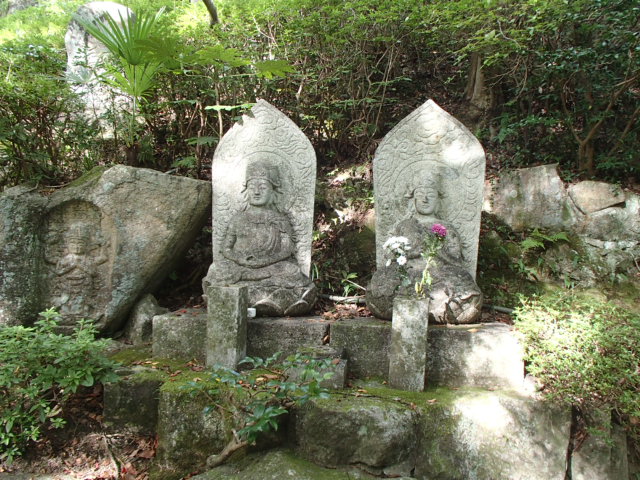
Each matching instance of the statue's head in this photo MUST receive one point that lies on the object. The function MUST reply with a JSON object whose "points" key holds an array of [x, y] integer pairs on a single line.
{"points": [[262, 185], [78, 239], [424, 194]]}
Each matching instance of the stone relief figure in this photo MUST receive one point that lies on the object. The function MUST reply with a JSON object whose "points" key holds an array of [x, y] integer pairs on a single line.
{"points": [[263, 174], [75, 274], [455, 297]]}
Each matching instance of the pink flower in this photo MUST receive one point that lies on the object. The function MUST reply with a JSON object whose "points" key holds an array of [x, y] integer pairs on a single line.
{"points": [[439, 230]]}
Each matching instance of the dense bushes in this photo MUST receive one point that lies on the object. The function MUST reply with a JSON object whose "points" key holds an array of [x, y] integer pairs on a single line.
{"points": [[585, 352], [39, 370], [539, 81]]}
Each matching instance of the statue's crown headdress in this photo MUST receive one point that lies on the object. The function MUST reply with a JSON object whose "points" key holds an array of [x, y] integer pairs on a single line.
{"points": [[262, 171]]}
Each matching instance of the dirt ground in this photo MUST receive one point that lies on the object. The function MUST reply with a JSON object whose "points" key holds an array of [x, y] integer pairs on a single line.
{"points": [[84, 449]]}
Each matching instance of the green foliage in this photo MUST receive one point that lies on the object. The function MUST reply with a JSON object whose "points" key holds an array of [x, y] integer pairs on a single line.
{"points": [[39, 370], [41, 138], [255, 399], [585, 352]]}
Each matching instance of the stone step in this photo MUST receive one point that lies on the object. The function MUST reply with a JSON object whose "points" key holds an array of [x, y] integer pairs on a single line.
{"points": [[450, 434], [480, 355], [485, 355]]}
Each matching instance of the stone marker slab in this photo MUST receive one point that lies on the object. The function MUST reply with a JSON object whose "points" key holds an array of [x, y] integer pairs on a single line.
{"points": [[428, 177], [483, 355], [96, 245], [226, 341], [180, 334], [408, 350]]}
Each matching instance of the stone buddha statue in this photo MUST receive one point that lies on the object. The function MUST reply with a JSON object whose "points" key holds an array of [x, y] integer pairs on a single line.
{"points": [[454, 295], [259, 248]]}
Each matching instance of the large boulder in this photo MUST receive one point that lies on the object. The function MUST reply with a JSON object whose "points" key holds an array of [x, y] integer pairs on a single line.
{"points": [[93, 248]]}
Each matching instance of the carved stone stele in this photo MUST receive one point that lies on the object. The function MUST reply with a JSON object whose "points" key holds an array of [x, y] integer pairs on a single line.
{"points": [[263, 175], [91, 249], [429, 170]]}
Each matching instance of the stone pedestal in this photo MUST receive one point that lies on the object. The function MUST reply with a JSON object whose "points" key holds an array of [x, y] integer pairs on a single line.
{"points": [[408, 351], [226, 342]]}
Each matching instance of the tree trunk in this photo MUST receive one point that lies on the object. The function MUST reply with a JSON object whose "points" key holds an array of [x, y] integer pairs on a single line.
{"points": [[213, 11], [586, 155]]}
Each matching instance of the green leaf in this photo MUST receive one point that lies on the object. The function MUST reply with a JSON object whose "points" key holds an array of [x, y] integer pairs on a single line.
{"points": [[218, 54], [273, 68]]}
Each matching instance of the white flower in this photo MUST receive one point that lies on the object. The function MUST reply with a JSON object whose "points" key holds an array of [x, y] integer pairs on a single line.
{"points": [[402, 260], [388, 262]]}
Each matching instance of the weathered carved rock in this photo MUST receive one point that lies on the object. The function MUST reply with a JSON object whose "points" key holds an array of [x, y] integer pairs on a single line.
{"points": [[429, 173], [94, 247], [264, 174], [85, 58]]}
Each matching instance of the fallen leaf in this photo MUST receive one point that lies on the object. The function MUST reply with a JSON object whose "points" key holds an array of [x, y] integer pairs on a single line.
{"points": [[433, 400], [335, 361]]}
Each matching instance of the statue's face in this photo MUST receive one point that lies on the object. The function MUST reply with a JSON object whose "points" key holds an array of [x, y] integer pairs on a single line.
{"points": [[259, 192], [425, 200], [76, 247]]}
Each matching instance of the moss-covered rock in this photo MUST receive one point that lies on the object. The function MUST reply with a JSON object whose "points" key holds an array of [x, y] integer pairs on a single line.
{"points": [[188, 432], [280, 465], [345, 430]]}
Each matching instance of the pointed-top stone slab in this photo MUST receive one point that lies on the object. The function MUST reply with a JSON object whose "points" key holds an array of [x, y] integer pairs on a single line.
{"points": [[264, 174], [429, 140]]}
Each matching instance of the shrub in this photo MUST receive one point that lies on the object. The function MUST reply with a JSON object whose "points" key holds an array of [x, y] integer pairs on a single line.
{"points": [[256, 398], [39, 370], [586, 353]]}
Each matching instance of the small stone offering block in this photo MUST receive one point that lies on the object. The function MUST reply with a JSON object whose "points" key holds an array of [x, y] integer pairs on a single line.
{"points": [[408, 350], [180, 334], [226, 342]]}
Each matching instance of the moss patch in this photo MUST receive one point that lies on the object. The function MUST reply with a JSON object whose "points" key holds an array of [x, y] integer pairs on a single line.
{"points": [[92, 175]]}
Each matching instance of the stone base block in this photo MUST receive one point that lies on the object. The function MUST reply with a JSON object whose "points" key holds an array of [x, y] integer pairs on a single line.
{"points": [[266, 336], [365, 342], [355, 430], [131, 403], [187, 435], [180, 334], [482, 355], [439, 433]]}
